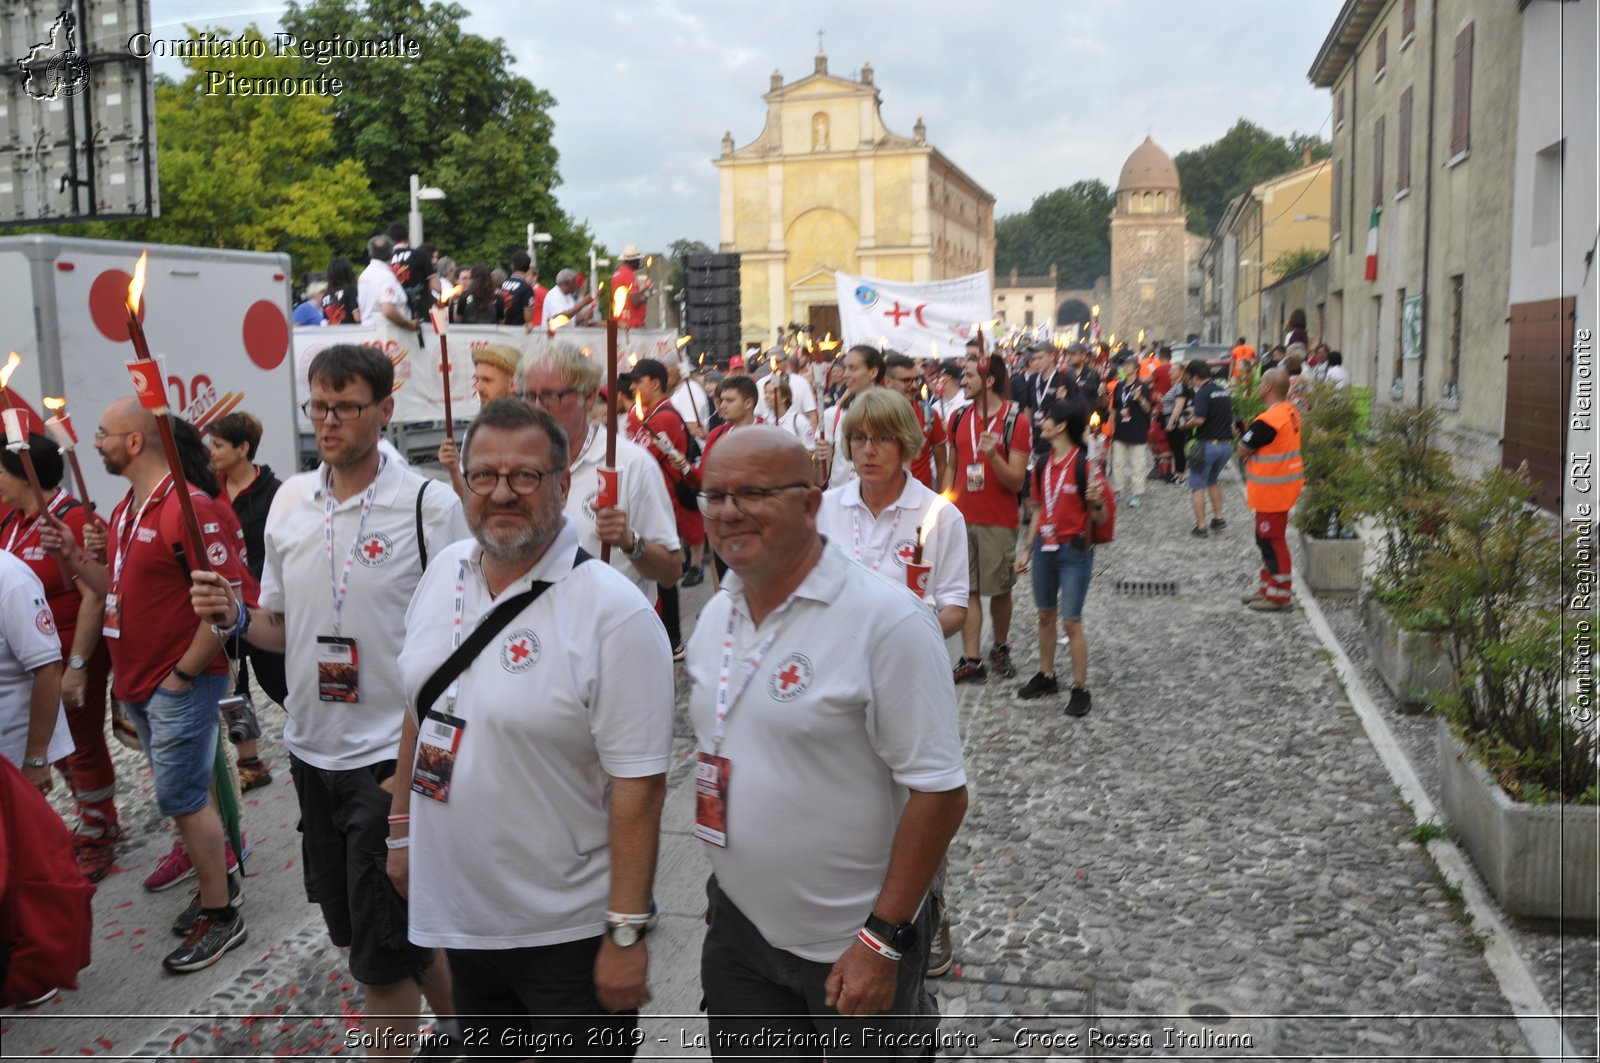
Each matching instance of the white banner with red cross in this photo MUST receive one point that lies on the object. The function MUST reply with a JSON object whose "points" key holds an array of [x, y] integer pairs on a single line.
{"points": [[934, 318]]}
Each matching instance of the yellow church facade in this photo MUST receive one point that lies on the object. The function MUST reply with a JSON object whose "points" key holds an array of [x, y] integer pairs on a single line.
{"points": [[827, 186]]}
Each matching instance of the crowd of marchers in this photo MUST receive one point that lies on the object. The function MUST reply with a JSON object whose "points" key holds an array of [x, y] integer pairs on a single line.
{"points": [[481, 786]]}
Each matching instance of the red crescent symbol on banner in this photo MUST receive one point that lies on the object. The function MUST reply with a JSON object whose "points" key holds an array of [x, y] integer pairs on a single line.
{"points": [[920, 308]]}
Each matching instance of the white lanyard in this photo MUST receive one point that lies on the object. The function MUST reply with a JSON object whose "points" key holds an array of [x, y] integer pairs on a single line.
{"points": [[727, 694], [341, 582], [972, 429], [587, 439], [26, 533], [455, 633], [125, 530], [1052, 495], [855, 518]]}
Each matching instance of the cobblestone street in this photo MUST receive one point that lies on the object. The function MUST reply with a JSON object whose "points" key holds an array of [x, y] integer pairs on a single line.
{"points": [[1213, 864]]}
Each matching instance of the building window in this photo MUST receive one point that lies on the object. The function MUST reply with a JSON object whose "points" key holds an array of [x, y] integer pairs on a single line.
{"points": [[1381, 54], [1461, 101], [1408, 22], [1547, 176], [1452, 380], [1402, 146], [1338, 110], [1336, 219], [1399, 384], [1027, 321], [1377, 162]]}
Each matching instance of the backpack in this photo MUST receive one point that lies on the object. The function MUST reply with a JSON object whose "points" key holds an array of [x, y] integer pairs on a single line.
{"points": [[1010, 427], [686, 488]]}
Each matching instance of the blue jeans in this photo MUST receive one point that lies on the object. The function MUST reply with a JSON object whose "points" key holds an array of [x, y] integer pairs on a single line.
{"points": [[1210, 457], [179, 734], [1061, 574]]}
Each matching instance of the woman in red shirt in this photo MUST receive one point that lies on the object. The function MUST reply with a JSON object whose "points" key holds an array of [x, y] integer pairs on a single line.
{"points": [[77, 615], [1062, 555]]}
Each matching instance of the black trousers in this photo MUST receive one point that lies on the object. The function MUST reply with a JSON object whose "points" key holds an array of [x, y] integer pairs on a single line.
{"points": [[537, 1003], [1178, 439]]}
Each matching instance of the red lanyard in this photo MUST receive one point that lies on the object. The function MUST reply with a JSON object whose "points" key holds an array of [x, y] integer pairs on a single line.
{"points": [[119, 557]]}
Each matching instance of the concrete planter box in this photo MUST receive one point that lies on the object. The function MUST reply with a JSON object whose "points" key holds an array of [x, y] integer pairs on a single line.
{"points": [[1332, 565], [1415, 665], [1538, 860]]}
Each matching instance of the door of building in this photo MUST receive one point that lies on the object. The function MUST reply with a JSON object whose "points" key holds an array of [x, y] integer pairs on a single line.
{"points": [[824, 319]]}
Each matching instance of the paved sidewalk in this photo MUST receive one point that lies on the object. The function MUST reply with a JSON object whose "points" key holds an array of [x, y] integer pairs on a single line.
{"points": [[1212, 864]]}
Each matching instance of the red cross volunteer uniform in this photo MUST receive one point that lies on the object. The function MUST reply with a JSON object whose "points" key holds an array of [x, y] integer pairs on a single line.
{"points": [[886, 542], [642, 494], [27, 641]]}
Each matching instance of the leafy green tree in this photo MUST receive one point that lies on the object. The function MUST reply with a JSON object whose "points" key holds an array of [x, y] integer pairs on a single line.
{"points": [[1290, 261], [1070, 227], [680, 250], [457, 116], [1214, 173], [253, 172]]}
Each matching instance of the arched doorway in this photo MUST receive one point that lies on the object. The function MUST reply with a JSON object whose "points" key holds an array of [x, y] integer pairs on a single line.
{"points": [[1072, 312]]}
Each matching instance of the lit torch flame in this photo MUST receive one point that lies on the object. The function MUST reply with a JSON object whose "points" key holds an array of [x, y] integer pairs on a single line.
{"points": [[638, 407], [648, 261], [449, 293], [683, 341], [556, 322], [1094, 311], [1094, 422], [619, 300], [54, 404], [9, 368], [136, 286], [829, 343], [929, 517], [773, 364]]}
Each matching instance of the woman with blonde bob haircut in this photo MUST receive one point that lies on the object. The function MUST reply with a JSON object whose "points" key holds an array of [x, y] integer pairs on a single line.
{"points": [[876, 516]]}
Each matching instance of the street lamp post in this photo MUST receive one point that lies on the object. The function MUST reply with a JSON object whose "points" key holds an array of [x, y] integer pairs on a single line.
{"points": [[535, 238], [419, 193]]}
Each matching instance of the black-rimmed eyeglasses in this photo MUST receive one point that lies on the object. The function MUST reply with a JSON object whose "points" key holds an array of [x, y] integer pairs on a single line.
{"points": [[741, 496], [521, 481]]}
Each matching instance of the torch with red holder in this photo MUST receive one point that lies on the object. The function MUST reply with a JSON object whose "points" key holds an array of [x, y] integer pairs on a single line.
{"points": [[59, 428], [440, 315], [607, 497]]}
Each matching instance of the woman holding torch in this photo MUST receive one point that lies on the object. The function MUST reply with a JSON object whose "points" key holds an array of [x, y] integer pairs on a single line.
{"points": [[886, 519], [88, 769]]}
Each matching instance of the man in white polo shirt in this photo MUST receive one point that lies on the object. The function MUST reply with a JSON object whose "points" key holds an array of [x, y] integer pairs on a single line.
{"points": [[527, 839], [345, 547], [641, 529], [830, 779]]}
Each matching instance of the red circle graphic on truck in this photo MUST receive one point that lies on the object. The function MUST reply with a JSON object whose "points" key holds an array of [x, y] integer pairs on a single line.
{"points": [[266, 334], [108, 305]]}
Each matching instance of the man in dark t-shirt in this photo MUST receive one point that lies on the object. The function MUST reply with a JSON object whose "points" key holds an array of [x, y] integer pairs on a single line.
{"points": [[1211, 416], [516, 291]]}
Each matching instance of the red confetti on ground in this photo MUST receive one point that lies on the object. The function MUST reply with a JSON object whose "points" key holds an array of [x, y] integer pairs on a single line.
{"points": [[176, 1041], [288, 865], [115, 934], [136, 933], [124, 904], [85, 1051], [103, 1043], [294, 991], [138, 944]]}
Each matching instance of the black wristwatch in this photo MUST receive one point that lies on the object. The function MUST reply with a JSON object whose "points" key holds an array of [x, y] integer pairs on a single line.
{"points": [[900, 938]]}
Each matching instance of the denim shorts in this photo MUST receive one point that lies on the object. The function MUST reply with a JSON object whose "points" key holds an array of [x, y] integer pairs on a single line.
{"points": [[179, 733], [1207, 461], [1062, 573]]}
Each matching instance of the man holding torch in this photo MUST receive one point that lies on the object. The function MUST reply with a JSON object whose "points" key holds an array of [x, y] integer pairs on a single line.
{"points": [[168, 668]]}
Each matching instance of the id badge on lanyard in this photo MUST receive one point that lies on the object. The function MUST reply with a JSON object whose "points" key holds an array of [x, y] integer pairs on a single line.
{"points": [[713, 772], [111, 624], [439, 736], [338, 659]]}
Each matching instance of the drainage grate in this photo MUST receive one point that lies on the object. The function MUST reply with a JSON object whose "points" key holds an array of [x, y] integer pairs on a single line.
{"points": [[1147, 588]]}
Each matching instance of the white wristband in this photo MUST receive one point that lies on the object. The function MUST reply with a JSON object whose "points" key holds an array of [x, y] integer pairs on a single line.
{"points": [[398, 843]]}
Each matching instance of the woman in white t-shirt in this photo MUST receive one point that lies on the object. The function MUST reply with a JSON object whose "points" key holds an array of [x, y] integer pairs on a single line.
{"points": [[780, 401], [33, 726], [876, 516]]}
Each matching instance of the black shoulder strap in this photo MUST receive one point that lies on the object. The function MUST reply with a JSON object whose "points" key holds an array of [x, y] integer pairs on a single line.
{"points": [[1011, 426], [422, 538], [955, 420], [486, 630], [1083, 476]]}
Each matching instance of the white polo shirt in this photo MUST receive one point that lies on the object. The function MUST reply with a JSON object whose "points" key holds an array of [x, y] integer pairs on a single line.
{"points": [[641, 492], [850, 709], [805, 399], [886, 542], [376, 286], [833, 419], [576, 690], [28, 640], [796, 424], [297, 580]]}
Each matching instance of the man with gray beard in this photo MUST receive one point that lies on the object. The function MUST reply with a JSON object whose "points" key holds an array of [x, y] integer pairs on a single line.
{"points": [[534, 832]]}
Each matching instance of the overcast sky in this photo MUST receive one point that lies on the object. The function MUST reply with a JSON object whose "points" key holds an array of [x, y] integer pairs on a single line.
{"points": [[1025, 96]]}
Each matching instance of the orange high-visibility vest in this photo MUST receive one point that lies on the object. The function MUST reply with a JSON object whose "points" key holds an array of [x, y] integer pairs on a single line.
{"points": [[1274, 475], [1147, 367]]}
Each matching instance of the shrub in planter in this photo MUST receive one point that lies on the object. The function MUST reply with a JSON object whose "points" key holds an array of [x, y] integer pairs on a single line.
{"points": [[1336, 494], [1496, 579], [1411, 485]]}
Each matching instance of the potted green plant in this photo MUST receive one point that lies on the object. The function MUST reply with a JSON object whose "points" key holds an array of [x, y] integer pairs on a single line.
{"points": [[1335, 496], [1518, 775], [1411, 484]]}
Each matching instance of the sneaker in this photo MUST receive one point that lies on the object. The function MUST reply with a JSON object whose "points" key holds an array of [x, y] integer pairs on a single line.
{"points": [[1039, 686], [95, 856], [971, 670], [1217, 524], [1077, 702], [175, 867], [1251, 598], [693, 577], [1198, 532], [252, 776], [1000, 658], [677, 652], [186, 918], [1266, 605], [43, 998], [205, 944], [941, 950]]}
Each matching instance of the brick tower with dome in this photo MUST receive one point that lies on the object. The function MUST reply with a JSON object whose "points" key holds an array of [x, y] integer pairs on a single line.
{"points": [[1150, 250]]}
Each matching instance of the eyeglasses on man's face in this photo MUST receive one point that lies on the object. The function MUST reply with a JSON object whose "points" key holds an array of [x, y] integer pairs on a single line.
{"points": [[482, 481], [547, 398], [339, 411], [740, 497], [101, 435]]}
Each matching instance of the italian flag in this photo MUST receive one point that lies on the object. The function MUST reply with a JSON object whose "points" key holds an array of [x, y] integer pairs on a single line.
{"points": [[1372, 245]]}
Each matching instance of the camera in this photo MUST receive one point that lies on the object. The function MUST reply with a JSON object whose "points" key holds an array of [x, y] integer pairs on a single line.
{"points": [[240, 718]]}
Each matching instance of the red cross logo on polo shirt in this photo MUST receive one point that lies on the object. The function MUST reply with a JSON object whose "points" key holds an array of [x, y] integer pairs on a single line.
{"points": [[906, 552], [519, 650], [373, 549], [789, 677], [376, 550]]}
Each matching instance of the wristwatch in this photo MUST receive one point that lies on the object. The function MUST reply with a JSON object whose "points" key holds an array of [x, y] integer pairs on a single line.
{"points": [[35, 762], [636, 551], [628, 930], [899, 937], [76, 663]]}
